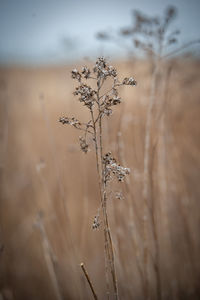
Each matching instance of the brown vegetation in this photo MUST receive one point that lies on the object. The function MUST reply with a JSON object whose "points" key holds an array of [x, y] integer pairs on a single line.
{"points": [[49, 188]]}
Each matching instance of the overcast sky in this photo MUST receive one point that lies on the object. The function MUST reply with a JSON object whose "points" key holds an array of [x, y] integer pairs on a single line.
{"points": [[49, 31]]}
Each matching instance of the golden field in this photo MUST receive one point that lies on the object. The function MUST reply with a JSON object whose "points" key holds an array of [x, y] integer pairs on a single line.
{"points": [[49, 190]]}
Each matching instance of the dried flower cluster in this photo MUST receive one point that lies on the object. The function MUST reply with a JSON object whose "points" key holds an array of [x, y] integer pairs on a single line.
{"points": [[129, 81], [76, 74], [103, 70], [108, 102], [84, 146], [96, 222], [99, 105], [71, 121], [111, 167], [86, 94]]}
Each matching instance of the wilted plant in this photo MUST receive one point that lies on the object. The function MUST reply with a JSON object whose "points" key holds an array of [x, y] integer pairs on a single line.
{"points": [[100, 105]]}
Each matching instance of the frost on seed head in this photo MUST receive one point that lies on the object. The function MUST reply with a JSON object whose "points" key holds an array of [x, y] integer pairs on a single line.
{"points": [[112, 168]]}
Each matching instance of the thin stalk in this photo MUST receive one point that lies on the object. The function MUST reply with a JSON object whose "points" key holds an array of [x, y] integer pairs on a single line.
{"points": [[133, 212], [181, 48], [106, 93], [149, 212], [49, 258], [95, 143], [146, 177], [101, 197], [110, 249], [89, 281], [107, 233]]}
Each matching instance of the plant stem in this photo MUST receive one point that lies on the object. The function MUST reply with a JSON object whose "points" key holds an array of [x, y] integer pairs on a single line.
{"points": [[89, 281], [101, 197], [146, 178], [107, 234]]}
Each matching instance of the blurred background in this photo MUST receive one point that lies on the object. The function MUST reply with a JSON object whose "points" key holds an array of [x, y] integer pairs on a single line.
{"points": [[51, 32], [48, 187]]}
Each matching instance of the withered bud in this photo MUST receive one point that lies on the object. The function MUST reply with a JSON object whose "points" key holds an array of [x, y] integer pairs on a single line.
{"points": [[103, 70], [84, 146], [76, 75], [111, 167], [107, 111], [86, 94], [70, 121], [115, 92], [107, 158], [96, 222], [109, 101], [116, 100], [129, 81], [86, 72], [111, 71]]}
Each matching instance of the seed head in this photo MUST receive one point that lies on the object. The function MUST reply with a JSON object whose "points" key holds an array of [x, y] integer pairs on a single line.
{"points": [[71, 121], [84, 146], [129, 81], [111, 167], [76, 74], [86, 72], [103, 70], [86, 94], [96, 222]]}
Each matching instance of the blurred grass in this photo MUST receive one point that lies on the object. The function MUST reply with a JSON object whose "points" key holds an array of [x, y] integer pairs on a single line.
{"points": [[43, 170]]}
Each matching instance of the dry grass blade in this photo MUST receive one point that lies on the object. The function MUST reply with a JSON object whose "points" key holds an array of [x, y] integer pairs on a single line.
{"points": [[89, 281]]}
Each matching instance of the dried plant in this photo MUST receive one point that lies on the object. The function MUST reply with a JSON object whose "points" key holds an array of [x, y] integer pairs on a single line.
{"points": [[100, 105], [153, 36], [152, 33]]}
